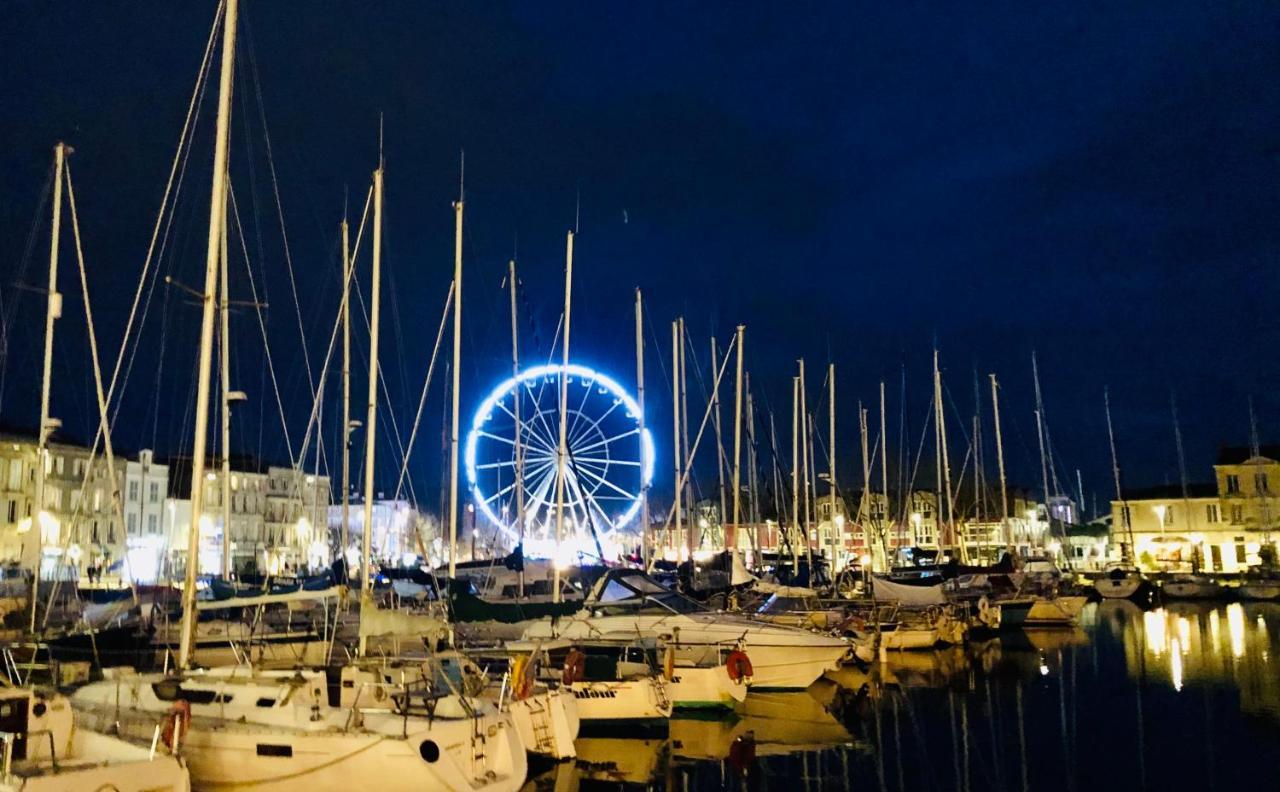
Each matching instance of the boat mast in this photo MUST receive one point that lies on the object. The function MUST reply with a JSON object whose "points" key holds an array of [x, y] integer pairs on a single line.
{"points": [[946, 463], [685, 465], [457, 371], [1115, 472], [737, 440], [864, 506], [1182, 471], [562, 450], [715, 414], [831, 456], [675, 418], [53, 310], [795, 476], [753, 483], [644, 460], [1044, 462], [217, 221], [884, 482], [518, 398], [224, 347], [371, 414], [346, 399], [1004, 494]]}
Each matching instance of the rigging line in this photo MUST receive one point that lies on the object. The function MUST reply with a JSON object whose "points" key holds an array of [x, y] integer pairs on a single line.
{"points": [[275, 189], [333, 334], [262, 326], [188, 129], [426, 384], [9, 314], [915, 467]]}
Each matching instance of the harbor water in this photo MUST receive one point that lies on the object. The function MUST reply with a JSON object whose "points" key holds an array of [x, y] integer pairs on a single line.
{"points": [[1184, 696]]}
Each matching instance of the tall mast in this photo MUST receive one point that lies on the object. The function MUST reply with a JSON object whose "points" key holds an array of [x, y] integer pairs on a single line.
{"points": [[675, 428], [562, 450], [715, 414], [1040, 432], [1115, 472], [371, 413], [831, 458], [737, 440], [224, 310], [644, 450], [217, 220], [457, 375], [884, 479], [752, 475], [34, 546], [811, 491], [946, 463], [518, 398], [864, 505], [346, 397], [804, 463], [1004, 493], [796, 462], [684, 439], [1182, 463]]}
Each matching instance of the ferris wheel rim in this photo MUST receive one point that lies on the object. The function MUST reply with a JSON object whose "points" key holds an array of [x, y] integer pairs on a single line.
{"points": [[499, 393]]}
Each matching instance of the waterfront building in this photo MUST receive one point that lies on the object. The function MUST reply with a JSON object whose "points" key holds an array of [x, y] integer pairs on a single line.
{"points": [[398, 530], [1172, 532], [278, 518]]}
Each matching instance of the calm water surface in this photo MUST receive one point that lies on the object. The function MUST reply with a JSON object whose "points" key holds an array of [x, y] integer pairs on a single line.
{"points": [[1182, 697]]}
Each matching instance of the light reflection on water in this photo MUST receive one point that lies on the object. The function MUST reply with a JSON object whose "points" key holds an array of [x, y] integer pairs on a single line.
{"points": [[1177, 697]]}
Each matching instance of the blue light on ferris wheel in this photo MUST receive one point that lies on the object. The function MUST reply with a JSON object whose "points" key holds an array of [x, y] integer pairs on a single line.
{"points": [[548, 374]]}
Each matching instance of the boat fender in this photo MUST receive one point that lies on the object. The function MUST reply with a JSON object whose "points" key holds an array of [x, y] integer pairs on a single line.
{"points": [[739, 666], [669, 663], [575, 665], [175, 723], [984, 609]]}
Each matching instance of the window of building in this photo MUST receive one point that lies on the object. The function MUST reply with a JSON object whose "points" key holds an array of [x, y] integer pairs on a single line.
{"points": [[1242, 554], [1237, 514], [153, 492], [1211, 512], [61, 465], [97, 500], [1233, 484], [1260, 482], [15, 474], [1168, 515], [95, 531], [133, 492], [152, 527], [13, 511], [131, 523]]}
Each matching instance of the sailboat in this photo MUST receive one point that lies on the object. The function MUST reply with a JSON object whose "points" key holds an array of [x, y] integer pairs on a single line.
{"points": [[243, 727]]}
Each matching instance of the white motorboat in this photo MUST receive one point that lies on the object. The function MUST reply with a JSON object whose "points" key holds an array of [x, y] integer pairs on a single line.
{"points": [[705, 687], [45, 752], [279, 730], [1190, 587], [547, 721], [626, 604]]}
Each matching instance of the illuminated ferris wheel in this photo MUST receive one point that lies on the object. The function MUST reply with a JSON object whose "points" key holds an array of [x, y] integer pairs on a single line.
{"points": [[609, 460]]}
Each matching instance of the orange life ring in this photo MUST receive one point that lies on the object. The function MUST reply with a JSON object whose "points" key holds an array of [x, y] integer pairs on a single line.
{"points": [[738, 665], [175, 723], [575, 665]]}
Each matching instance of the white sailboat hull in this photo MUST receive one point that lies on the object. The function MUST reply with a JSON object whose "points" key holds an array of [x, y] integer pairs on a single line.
{"points": [[1055, 611], [1119, 588], [1259, 591], [708, 687], [547, 722], [642, 699], [234, 743]]}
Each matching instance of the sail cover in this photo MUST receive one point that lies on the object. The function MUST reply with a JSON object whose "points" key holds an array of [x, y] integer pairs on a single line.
{"points": [[376, 622], [885, 589]]}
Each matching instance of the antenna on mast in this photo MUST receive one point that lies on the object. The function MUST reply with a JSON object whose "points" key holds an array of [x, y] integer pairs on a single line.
{"points": [[462, 174], [380, 157]]}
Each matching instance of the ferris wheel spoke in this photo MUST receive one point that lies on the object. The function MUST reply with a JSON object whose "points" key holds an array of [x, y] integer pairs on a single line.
{"points": [[531, 437], [552, 437], [492, 465], [605, 461], [607, 440], [589, 501], [586, 394], [499, 438], [607, 483], [596, 423]]}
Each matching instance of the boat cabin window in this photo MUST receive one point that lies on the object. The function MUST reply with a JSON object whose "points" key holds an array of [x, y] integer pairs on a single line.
{"points": [[170, 692], [614, 591], [541, 587]]}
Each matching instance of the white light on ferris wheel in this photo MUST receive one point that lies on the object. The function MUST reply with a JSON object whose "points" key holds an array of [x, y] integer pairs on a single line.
{"points": [[610, 459]]}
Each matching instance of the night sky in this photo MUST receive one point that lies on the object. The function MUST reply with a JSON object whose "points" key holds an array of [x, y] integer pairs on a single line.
{"points": [[1091, 180]]}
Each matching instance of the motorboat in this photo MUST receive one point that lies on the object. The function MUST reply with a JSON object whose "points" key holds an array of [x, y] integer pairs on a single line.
{"points": [[627, 604], [1259, 585], [1055, 611], [45, 752]]}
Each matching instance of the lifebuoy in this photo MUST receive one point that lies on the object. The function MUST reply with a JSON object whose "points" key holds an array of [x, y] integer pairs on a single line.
{"points": [[738, 666], [669, 663], [575, 665], [522, 677], [175, 723]]}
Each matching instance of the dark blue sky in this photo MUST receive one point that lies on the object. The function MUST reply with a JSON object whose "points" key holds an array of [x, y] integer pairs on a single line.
{"points": [[1097, 181]]}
